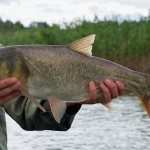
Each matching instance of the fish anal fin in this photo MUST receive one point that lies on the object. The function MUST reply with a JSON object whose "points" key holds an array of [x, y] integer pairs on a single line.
{"points": [[146, 104], [58, 108], [25, 92], [83, 45], [107, 105]]}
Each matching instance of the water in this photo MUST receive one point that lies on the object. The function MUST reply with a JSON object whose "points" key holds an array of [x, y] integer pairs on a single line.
{"points": [[125, 127]]}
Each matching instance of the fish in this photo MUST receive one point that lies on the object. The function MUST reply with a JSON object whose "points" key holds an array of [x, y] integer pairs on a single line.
{"points": [[60, 73]]}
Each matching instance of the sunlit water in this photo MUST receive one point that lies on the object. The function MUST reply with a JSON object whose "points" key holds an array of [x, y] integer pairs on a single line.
{"points": [[125, 127]]}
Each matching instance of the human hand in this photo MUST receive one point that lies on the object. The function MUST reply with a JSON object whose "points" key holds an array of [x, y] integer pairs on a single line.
{"points": [[110, 89], [9, 89]]}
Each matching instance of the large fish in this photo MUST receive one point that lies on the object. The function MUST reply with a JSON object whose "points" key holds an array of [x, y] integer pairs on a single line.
{"points": [[60, 73]]}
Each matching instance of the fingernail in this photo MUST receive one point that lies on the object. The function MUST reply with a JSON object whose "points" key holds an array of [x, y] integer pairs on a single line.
{"points": [[17, 85], [91, 83], [13, 79], [121, 85], [107, 80]]}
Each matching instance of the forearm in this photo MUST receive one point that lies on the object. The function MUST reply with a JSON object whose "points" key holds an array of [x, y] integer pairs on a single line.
{"points": [[29, 117]]}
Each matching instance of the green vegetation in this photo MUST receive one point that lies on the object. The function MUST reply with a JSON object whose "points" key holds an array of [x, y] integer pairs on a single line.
{"points": [[127, 43]]}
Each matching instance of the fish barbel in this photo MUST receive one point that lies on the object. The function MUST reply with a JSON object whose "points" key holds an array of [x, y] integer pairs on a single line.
{"points": [[60, 73]]}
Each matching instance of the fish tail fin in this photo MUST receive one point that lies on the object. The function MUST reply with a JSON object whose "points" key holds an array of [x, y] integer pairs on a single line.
{"points": [[146, 104], [83, 45]]}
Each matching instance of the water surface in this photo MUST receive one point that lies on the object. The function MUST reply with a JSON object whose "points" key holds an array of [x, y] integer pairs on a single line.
{"points": [[125, 127]]}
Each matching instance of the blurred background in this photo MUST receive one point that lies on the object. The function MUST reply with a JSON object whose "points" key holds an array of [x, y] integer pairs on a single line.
{"points": [[122, 31]]}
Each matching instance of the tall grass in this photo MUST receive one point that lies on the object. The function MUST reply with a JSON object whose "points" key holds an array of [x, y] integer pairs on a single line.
{"points": [[127, 43]]}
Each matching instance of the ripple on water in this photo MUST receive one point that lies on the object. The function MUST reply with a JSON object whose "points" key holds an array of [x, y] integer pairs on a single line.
{"points": [[95, 127]]}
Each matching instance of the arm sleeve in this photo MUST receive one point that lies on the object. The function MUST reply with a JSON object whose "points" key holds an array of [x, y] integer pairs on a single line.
{"points": [[3, 132], [29, 117]]}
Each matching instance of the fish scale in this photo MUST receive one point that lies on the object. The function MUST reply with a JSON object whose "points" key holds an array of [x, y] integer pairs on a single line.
{"points": [[60, 73]]}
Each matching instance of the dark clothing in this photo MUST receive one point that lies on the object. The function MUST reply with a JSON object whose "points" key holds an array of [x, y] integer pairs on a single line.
{"points": [[30, 118]]}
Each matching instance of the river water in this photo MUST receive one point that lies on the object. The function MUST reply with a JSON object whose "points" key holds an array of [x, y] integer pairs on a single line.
{"points": [[125, 127]]}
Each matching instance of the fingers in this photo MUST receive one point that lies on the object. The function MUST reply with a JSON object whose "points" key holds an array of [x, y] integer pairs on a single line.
{"points": [[120, 86], [9, 89], [7, 82], [92, 94], [9, 97], [112, 88], [92, 90], [105, 91]]}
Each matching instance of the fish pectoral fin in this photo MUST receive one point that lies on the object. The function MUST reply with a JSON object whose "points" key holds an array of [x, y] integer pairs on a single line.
{"points": [[58, 108], [27, 94], [146, 104], [83, 45]]}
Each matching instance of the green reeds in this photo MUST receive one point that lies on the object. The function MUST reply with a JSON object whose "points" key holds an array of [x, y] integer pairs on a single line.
{"points": [[127, 43]]}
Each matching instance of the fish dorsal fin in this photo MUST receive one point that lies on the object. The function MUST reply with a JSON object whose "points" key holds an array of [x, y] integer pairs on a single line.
{"points": [[83, 45]]}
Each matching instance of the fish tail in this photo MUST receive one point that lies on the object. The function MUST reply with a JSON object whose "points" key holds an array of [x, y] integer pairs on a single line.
{"points": [[146, 104]]}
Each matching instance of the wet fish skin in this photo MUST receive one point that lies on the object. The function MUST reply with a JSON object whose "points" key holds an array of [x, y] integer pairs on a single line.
{"points": [[63, 71]]}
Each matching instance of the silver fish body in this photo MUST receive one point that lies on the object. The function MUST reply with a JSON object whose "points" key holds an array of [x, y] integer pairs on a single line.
{"points": [[63, 71]]}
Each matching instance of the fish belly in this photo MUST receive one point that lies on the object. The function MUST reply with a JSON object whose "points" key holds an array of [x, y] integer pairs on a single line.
{"points": [[70, 92]]}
